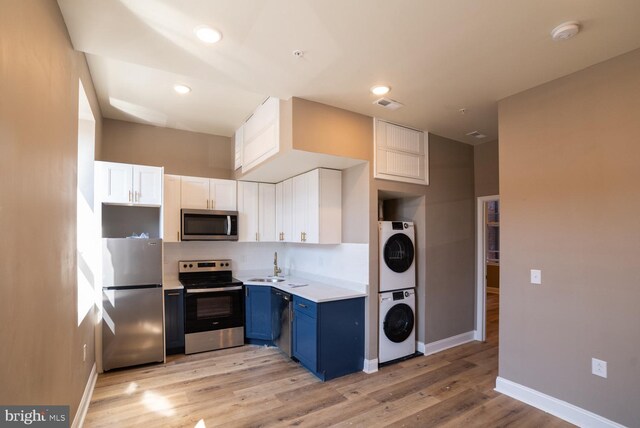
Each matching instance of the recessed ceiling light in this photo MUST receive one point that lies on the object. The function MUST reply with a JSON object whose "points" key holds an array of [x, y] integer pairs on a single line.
{"points": [[182, 89], [380, 90], [566, 30], [208, 34]]}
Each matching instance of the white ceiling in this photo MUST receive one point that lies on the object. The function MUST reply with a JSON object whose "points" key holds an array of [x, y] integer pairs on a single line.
{"points": [[437, 55]]}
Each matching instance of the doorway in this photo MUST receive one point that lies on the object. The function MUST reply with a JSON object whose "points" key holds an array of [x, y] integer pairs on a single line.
{"points": [[487, 266]]}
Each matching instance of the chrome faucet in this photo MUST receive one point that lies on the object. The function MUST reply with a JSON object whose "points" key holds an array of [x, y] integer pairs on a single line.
{"points": [[276, 270]]}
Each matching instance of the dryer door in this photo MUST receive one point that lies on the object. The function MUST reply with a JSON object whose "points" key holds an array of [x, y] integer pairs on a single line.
{"points": [[398, 323], [398, 252]]}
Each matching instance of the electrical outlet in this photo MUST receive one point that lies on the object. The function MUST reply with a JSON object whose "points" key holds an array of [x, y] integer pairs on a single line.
{"points": [[84, 352], [599, 367], [536, 276]]}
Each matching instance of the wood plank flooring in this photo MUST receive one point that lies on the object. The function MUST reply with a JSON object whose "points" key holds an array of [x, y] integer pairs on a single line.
{"points": [[255, 386]]}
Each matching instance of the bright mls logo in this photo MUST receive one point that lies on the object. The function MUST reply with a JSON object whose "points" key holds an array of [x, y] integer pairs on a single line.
{"points": [[35, 416]]}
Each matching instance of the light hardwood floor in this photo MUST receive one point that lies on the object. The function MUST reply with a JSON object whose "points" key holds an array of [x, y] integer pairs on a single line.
{"points": [[255, 386]]}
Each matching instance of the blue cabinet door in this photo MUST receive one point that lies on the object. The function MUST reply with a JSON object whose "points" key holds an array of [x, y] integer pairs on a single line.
{"points": [[305, 339], [258, 312], [174, 321]]}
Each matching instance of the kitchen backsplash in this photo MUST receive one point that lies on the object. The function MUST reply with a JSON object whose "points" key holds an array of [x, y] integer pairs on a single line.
{"points": [[349, 262]]}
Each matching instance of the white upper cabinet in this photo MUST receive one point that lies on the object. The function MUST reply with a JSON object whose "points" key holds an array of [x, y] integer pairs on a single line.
{"points": [[208, 194], [256, 212], [401, 154], [119, 183], [237, 145], [267, 212], [284, 211], [317, 207], [195, 193], [171, 208], [222, 194], [248, 211], [147, 185], [261, 134]]}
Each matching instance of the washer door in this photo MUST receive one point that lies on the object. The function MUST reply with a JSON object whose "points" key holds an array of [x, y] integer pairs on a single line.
{"points": [[398, 252], [398, 323]]}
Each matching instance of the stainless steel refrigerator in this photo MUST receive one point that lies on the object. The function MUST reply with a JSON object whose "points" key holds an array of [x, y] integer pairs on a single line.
{"points": [[132, 326]]}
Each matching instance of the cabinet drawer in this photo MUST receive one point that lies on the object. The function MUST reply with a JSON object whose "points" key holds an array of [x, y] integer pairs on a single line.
{"points": [[305, 306]]}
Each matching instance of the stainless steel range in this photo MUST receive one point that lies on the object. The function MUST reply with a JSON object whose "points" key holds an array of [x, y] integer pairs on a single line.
{"points": [[214, 305]]}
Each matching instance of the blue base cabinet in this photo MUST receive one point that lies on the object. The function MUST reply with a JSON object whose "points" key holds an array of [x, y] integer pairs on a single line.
{"points": [[258, 314], [174, 321], [328, 338]]}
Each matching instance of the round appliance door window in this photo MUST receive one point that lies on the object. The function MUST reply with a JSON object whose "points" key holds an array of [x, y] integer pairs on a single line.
{"points": [[398, 252], [398, 323]]}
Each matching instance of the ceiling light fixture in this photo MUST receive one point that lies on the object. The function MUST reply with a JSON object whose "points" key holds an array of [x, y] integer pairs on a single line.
{"points": [[380, 90], [208, 34], [565, 31], [181, 89]]}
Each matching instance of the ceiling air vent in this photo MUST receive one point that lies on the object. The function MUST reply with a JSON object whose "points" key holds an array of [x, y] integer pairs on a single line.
{"points": [[388, 103], [476, 134]]}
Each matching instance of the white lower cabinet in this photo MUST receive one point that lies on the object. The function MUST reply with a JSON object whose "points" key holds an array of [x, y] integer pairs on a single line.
{"points": [[256, 212], [171, 208]]}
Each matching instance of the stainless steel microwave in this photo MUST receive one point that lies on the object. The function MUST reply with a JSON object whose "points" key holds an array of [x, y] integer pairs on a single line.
{"points": [[209, 225]]}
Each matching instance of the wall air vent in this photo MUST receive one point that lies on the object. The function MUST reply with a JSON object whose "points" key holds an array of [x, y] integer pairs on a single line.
{"points": [[476, 134], [388, 103]]}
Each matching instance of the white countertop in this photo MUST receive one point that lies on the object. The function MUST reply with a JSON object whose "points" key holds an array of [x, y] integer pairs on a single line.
{"points": [[171, 284], [317, 290]]}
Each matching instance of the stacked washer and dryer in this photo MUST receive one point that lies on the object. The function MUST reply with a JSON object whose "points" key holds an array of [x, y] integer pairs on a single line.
{"points": [[397, 332]]}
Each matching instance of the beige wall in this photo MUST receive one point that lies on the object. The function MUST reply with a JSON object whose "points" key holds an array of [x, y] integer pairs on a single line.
{"points": [[570, 169], [41, 350], [443, 213], [180, 152], [485, 161], [355, 204], [325, 129]]}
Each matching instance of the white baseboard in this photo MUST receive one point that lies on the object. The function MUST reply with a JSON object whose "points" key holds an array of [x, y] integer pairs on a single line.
{"points": [[370, 366], [78, 420], [570, 413], [449, 342]]}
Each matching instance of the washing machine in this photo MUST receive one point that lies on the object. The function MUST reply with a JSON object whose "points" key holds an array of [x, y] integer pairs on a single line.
{"points": [[397, 337], [397, 255]]}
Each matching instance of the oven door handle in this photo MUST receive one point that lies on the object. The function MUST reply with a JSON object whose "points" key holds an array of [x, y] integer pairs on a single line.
{"points": [[213, 290]]}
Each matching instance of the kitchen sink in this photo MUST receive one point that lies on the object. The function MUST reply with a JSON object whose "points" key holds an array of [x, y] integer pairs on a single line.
{"points": [[266, 280]]}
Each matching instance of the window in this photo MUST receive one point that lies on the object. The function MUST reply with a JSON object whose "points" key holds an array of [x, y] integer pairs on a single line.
{"points": [[492, 222]]}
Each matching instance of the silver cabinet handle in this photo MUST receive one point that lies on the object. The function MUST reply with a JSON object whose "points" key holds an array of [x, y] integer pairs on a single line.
{"points": [[256, 236], [136, 196], [302, 306], [207, 203], [178, 235], [228, 225], [130, 196], [173, 294]]}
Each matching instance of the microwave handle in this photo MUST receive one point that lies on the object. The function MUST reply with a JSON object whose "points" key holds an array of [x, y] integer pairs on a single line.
{"points": [[228, 225]]}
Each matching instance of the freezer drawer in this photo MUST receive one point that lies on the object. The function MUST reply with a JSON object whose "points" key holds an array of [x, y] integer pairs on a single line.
{"points": [[132, 327]]}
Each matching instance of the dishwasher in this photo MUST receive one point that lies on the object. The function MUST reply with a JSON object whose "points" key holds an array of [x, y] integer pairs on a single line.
{"points": [[282, 304]]}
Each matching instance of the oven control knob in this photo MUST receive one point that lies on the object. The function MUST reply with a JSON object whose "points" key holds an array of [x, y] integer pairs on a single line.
{"points": [[184, 265], [226, 264], [406, 294], [190, 265]]}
